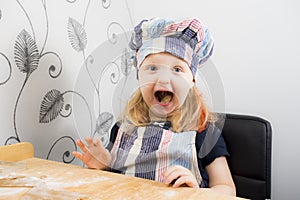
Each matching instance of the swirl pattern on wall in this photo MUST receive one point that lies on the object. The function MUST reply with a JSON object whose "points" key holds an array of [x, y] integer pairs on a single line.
{"points": [[30, 50]]}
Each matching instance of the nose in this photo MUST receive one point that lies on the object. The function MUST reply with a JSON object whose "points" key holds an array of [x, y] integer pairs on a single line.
{"points": [[164, 77]]}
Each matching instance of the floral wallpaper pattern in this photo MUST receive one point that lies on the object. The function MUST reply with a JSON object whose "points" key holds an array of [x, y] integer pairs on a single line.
{"points": [[32, 51]]}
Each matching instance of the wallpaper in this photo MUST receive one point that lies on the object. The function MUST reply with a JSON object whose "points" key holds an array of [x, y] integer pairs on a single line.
{"points": [[62, 62]]}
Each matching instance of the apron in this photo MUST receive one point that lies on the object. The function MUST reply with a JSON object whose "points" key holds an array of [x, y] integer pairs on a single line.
{"points": [[147, 151]]}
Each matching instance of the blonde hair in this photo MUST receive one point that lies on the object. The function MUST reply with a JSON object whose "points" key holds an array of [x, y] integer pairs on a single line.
{"points": [[192, 115]]}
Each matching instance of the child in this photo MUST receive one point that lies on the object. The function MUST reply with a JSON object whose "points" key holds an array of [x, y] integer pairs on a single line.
{"points": [[164, 124]]}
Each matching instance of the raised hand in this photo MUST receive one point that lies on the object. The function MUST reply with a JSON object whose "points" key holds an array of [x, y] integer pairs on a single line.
{"points": [[180, 176], [94, 155]]}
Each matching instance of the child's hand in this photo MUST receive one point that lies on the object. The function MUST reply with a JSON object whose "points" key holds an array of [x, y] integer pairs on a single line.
{"points": [[180, 176], [94, 155]]}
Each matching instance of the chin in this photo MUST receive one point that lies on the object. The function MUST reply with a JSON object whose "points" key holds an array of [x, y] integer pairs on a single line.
{"points": [[159, 113]]}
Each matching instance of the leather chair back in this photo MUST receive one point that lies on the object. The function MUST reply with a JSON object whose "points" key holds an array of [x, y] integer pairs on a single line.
{"points": [[248, 140]]}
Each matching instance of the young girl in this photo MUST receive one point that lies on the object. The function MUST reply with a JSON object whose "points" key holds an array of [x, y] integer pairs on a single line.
{"points": [[164, 124]]}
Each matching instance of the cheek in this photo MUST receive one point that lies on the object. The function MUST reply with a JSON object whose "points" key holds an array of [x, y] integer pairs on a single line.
{"points": [[182, 95], [183, 90], [146, 91], [146, 83]]}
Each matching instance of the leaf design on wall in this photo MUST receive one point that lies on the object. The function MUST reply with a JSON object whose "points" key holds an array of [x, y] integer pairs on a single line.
{"points": [[77, 35], [104, 122], [26, 53], [51, 106], [106, 3], [126, 62]]}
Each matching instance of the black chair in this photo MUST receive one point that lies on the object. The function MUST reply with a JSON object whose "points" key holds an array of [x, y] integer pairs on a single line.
{"points": [[248, 140]]}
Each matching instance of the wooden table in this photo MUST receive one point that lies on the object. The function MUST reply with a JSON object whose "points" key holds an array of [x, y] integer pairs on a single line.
{"points": [[44, 179]]}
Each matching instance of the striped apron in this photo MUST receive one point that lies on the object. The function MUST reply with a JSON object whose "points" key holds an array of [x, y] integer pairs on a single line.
{"points": [[147, 152]]}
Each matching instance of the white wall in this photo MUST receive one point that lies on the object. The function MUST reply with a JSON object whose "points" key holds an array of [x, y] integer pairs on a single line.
{"points": [[257, 56]]}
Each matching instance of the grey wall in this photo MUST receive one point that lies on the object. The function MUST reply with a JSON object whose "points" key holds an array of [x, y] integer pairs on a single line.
{"points": [[257, 57]]}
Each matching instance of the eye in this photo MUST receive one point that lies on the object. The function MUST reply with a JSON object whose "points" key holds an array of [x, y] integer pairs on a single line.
{"points": [[152, 68], [177, 69]]}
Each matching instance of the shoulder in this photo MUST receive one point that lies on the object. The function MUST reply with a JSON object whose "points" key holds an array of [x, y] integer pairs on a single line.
{"points": [[210, 144], [113, 135], [114, 130]]}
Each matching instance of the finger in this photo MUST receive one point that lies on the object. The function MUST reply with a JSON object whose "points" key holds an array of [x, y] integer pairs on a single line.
{"points": [[174, 172], [170, 170], [187, 180], [89, 141], [173, 168], [96, 142], [77, 155], [81, 146], [170, 179]]}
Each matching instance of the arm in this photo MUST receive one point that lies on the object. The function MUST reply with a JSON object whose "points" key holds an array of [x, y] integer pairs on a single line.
{"points": [[220, 179]]}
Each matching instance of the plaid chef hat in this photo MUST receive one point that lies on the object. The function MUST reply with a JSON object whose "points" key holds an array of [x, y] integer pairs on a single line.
{"points": [[188, 39]]}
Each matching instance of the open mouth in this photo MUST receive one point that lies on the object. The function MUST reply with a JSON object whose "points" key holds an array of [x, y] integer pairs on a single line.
{"points": [[163, 97]]}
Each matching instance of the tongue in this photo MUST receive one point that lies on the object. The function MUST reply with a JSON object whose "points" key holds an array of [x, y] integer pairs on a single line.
{"points": [[166, 99]]}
